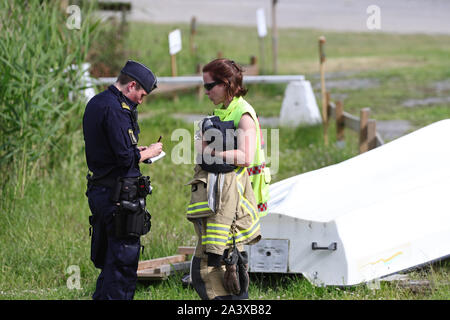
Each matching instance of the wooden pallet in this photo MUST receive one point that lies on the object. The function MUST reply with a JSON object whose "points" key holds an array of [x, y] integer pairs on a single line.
{"points": [[161, 268]]}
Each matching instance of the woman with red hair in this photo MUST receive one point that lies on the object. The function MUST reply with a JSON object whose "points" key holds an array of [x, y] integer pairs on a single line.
{"points": [[219, 266]]}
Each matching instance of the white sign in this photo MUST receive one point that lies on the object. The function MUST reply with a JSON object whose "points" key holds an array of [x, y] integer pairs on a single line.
{"points": [[261, 22], [174, 41]]}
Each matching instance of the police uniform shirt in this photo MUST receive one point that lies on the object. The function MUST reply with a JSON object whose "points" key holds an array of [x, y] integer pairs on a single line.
{"points": [[111, 134]]}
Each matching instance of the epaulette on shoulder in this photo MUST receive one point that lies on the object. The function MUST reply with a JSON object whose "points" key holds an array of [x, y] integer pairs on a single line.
{"points": [[125, 106]]}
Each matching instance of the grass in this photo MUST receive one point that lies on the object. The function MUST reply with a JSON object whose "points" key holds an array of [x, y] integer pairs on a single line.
{"points": [[40, 96], [46, 230], [403, 66]]}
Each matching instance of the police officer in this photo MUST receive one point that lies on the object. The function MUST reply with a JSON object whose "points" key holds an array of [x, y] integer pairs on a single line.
{"points": [[111, 134]]}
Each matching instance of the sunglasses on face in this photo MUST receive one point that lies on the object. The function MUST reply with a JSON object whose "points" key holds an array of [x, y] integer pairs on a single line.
{"points": [[210, 85]]}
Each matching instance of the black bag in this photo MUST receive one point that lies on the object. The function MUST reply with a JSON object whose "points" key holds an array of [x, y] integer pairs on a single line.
{"points": [[212, 128]]}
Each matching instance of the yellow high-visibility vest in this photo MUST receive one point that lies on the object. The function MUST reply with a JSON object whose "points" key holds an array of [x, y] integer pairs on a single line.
{"points": [[258, 172]]}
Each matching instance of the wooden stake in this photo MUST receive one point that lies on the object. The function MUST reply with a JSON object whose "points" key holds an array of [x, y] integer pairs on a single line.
{"points": [[327, 116], [340, 121], [192, 44], [253, 68], [363, 131], [274, 37], [371, 134], [198, 71], [323, 89], [261, 52], [173, 64]]}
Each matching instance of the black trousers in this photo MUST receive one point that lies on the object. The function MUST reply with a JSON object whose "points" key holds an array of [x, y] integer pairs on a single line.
{"points": [[117, 258]]}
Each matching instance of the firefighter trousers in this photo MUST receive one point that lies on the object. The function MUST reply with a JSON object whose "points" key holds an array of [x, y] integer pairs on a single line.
{"points": [[232, 219]]}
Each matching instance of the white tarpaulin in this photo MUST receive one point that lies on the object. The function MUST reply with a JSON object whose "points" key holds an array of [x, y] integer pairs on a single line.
{"points": [[378, 213]]}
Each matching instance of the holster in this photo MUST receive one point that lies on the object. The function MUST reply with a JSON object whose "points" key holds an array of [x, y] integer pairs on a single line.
{"points": [[131, 218]]}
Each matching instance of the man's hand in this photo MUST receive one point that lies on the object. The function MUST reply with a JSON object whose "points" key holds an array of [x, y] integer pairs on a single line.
{"points": [[151, 151]]}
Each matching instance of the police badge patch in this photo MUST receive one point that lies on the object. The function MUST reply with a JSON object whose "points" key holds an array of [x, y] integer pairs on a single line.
{"points": [[132, 137]]}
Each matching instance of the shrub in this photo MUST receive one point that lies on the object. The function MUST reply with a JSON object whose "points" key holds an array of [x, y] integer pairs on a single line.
{"points": [[41, 100]]}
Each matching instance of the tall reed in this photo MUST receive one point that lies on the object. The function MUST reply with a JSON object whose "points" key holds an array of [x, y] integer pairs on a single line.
{"points": [[41, 100]]}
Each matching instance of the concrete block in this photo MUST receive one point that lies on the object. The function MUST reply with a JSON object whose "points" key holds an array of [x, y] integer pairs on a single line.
{"points": [[299, 105]]}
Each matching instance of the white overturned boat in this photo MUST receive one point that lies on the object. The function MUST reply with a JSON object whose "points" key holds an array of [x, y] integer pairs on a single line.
{"points": [[378, 213]]}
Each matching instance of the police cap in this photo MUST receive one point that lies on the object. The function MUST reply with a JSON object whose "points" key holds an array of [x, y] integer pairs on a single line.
{"points": [[141, 74]]}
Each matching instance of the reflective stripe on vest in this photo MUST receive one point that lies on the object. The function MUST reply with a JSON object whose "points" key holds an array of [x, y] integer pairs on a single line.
{"points": [[245, 204]]}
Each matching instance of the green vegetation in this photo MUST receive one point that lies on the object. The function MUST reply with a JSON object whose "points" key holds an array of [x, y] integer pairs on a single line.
{"points": [[44, 214], [400, 67], [40, 90]]}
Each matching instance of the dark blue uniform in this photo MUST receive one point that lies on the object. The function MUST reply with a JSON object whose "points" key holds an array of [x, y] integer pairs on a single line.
{"points": [[111, 134], [111, 148]]}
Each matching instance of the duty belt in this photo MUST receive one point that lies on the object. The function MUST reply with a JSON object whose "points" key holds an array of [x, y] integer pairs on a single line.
{"points": [[104, 181], [130, 189]]}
